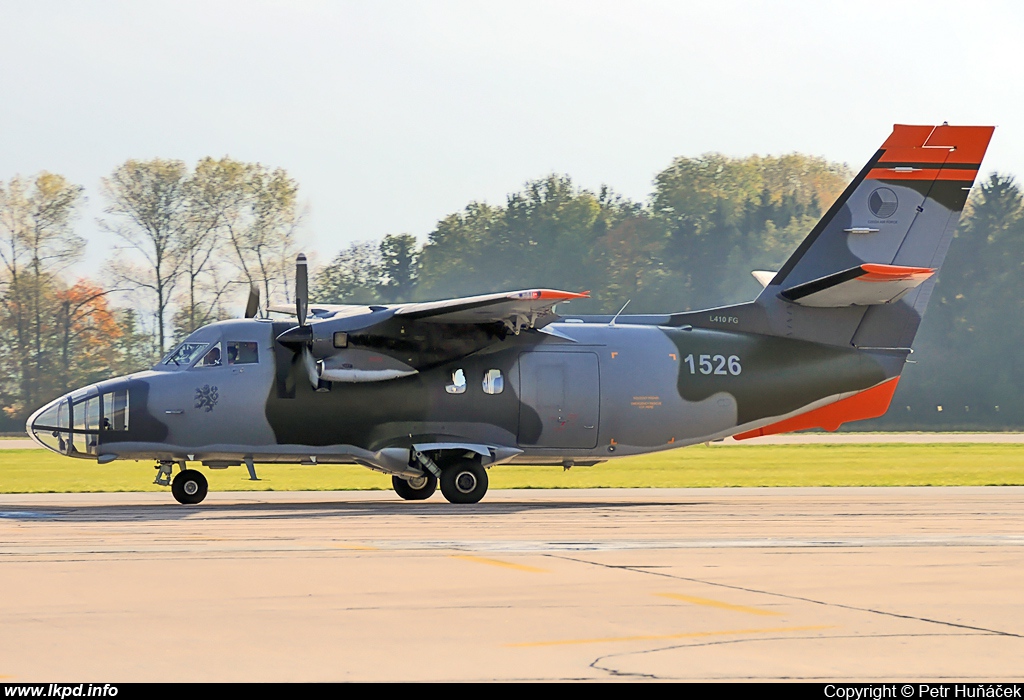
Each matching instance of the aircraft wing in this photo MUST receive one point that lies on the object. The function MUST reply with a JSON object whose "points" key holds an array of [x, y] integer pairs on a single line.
{"points": [[365, 344], [527, 308], [316, 310]]}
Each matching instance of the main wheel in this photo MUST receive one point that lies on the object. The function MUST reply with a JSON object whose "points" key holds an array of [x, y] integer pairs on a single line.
{"points": [[189, 486], [419, 488], [464, 481]]}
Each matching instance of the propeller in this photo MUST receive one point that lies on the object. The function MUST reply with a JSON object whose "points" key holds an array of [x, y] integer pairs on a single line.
{"points": [[252, 307], [300, 338], [301, 289]]}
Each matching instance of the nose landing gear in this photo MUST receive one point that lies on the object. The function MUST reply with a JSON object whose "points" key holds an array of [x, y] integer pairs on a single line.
{"points": [[189, 487]]}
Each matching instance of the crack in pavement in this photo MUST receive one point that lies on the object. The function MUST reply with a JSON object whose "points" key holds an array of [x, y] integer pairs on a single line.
{"points": [[595, 664], [787, 596]]}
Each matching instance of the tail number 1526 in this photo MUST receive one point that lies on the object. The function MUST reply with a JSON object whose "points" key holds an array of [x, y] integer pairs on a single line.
{"points": [[714, 364]]}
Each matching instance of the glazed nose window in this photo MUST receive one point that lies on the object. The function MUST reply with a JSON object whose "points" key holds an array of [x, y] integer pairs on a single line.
{"points": [[87, 413], [52, 426]]}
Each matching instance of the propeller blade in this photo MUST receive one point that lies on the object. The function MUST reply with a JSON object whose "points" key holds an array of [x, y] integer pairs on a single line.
{"points": [[252, 307], [301, 289], [310, 365]]}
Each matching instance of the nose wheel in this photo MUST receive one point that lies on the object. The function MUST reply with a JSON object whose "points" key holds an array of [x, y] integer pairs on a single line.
{"points": [[189, 487]]}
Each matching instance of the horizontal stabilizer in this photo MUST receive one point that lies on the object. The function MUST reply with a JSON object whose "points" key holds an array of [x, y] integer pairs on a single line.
{"points": [[764, 277], [864, 285]]}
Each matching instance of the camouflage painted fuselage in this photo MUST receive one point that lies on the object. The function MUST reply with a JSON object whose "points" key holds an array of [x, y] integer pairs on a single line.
{"points": [[579, 391]]}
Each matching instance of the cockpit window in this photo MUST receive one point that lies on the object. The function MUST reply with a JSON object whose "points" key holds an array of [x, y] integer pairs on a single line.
{"points": [[185, 354], [242, 353], [212, 358]]}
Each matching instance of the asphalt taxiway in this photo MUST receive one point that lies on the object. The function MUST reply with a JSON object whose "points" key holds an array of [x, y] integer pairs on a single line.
{"points": [[676, 584]]}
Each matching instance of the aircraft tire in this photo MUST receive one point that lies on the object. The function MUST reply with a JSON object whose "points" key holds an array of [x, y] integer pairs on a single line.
{"points": [[406, 490], [189, 487], [464, 481]]}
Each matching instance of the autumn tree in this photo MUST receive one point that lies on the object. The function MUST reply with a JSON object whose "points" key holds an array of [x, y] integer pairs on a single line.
{"points": [[89, 336], [36, 244]]}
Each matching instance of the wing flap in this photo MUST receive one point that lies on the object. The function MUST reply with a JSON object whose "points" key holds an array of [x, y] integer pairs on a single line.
{"points": [[865, 285]]}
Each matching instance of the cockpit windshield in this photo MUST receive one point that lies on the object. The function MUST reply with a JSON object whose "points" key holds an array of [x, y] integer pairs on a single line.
{"points": [[185, 354]]}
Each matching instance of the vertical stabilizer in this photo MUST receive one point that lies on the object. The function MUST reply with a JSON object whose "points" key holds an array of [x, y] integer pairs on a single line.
{"points": [[864, 274]]}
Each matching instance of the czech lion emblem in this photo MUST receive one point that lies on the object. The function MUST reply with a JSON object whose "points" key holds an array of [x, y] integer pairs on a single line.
{"points": [[206, 397]]}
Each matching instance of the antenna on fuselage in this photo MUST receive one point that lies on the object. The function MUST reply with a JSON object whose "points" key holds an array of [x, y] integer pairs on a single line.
{"points": [[612, 322]]}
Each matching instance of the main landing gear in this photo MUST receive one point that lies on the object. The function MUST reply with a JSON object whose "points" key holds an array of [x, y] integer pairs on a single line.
{"points": [[418, 488], [462, 480]]}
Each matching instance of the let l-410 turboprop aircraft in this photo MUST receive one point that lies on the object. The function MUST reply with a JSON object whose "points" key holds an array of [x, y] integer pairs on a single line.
{"points": [[440, 391]]}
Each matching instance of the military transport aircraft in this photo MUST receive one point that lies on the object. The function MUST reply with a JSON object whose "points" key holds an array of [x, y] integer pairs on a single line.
{"points": [[441, 391]]}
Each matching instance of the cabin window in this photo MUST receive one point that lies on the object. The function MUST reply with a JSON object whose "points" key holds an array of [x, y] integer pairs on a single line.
{"points": [[493, 382], [212, 358], [341, 339], [243, 353], [458, 383], [184, 354]]}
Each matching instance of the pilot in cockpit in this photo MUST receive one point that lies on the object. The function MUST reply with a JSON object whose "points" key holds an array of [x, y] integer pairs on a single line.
{"points": [[212, 358]]}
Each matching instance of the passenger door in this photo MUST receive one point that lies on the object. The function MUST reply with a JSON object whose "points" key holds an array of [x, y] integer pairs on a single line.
{"points": [[564, 390]]}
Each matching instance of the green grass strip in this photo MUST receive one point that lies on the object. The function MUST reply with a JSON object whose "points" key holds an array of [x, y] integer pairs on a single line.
{"points": [[959, 464]]}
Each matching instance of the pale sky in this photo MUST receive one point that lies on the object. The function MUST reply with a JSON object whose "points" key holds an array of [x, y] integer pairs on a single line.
{"points": [[393, 114]]}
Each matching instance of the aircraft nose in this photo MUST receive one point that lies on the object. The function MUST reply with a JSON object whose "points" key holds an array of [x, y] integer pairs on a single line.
{"points": [[50, 426]]}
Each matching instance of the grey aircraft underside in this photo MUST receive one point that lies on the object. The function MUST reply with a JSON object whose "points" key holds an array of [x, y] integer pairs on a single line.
{"points": [[438, 392]]}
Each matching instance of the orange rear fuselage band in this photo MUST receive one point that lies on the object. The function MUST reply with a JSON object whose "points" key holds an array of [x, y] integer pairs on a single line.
{"points": [[869, 403]]}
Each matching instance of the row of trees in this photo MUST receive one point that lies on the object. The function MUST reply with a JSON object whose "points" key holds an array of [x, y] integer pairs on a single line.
{"points": [[968, 367], [193, 239], [196, 235], [710, 221]]}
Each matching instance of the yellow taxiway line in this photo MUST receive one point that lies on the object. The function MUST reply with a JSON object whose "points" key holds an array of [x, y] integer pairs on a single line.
{"points": [[499, 562], [717, 604]]}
